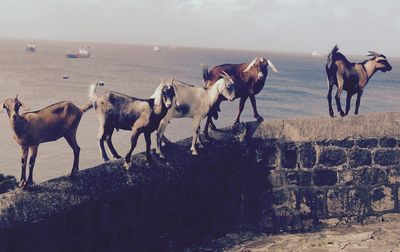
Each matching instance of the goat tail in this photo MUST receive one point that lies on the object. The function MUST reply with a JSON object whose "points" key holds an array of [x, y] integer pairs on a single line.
{"points": [[92, 90], [87, 106], [206, 74]]}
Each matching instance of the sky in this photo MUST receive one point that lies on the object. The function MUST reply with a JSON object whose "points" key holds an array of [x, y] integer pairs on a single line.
{"points": [[268, 25]]}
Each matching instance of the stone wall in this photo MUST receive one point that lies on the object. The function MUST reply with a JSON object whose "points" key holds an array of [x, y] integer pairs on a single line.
{"points": [[292, 175]]}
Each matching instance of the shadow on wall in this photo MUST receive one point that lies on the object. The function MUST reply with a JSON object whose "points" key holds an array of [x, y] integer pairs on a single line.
{"points": [[7, 183]]}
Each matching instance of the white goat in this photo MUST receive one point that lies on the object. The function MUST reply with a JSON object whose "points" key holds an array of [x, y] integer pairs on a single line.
{"points": [[194, 102]]}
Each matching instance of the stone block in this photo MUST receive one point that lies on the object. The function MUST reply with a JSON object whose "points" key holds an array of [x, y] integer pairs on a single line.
{"points": [[346, 177], [369, 176], [359, 157], [310, 201], [388, 142], [382, 199], [358, 203], [367, 143], [387, 157], [325, 177], [300, 178], [345, 143], [336, 200], [277, 178], [307, 156], [332, 157], [284, 197], [288, 155], [393, 175]]}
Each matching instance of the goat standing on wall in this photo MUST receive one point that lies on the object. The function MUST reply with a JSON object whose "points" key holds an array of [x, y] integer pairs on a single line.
{"points": [[249, 81], [45, 125], [351, 77], [119, 111], [195, 102]]}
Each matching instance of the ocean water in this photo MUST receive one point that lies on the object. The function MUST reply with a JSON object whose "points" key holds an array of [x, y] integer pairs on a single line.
{"points": [[298, 90]]}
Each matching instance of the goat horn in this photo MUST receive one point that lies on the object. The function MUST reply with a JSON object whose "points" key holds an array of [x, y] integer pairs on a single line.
{"points": [[272, 66], [250, 65], [225, 73], [375, 54], [16, 97]]}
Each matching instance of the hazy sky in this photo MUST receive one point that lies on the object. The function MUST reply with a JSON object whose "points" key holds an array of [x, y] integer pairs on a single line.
{"points": [[279, 25]]}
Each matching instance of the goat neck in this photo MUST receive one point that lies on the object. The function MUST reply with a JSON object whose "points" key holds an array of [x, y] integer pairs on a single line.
{"points": [[370, 68], [17, 123], [214, 91]]}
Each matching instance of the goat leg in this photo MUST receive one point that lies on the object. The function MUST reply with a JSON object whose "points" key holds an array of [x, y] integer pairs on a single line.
{"points": [[254, 105], [358, 101], [34, 150], [147, 137], [339, 106], [241, 106], [134, 138], [24, 158], [71, 139], [329, 97], [199, 139], [348, 102], [111, 147]]}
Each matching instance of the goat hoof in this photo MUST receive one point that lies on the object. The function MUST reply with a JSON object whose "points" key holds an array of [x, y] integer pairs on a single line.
{"points": [[331, 114], [194, 153], [127, 166], [160, 155], [342, 114], [26, 185], [259, 118], [117, 157], [22, 183], [213, 127], [236, 122]]}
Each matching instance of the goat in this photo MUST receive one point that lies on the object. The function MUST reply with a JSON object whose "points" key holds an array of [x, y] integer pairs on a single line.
{"points": [[249, 81], [45, 125], [195, 102], [351, 77], [119, 111]]}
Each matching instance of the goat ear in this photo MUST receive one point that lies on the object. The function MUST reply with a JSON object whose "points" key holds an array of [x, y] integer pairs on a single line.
{"points": [[157, 94], [272, 66], [1, 107], [250, 65]]}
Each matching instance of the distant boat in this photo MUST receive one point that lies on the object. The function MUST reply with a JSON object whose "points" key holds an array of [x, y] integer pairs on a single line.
{"points": [[317, 54], [156, 49], [81, 53], [31, 47]]}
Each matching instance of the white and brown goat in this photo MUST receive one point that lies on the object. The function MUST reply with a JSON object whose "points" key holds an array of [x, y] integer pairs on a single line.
{"points": [[119, 111], [45, 125], [351, 77]]}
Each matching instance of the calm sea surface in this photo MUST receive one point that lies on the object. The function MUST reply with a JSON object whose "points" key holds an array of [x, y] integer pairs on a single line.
{"points": [[298, 90]]}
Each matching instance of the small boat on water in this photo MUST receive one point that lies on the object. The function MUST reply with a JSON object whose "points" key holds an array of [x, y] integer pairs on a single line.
{"points": [[156, 49], [316, 54], [80, 53], [31, 47]]}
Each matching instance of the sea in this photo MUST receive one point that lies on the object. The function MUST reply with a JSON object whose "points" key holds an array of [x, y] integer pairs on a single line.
{"points": [[298, 90]]}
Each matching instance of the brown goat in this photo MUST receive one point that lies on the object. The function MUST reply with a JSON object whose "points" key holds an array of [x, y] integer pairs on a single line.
{"points": [[351, 77], [45, 125], [249, 80]]}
